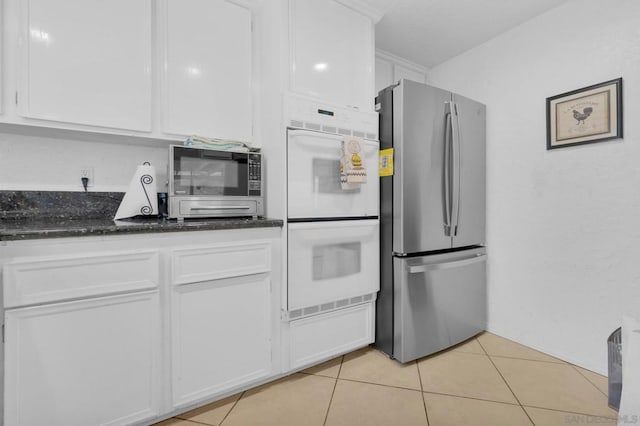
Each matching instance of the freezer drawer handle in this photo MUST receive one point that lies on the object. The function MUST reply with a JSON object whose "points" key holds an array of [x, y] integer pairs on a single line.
{"points": [[455, 264]]}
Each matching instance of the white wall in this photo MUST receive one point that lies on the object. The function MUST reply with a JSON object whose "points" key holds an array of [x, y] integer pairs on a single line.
{"points": [[45, 163], [563, 227]]}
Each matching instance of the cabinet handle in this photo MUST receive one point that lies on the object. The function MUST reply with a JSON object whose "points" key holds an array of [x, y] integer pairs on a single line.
{"points": [[222, 208]]}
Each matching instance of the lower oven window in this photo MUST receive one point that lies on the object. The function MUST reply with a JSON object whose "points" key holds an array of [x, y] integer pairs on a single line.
{"points": [[336, 260]]}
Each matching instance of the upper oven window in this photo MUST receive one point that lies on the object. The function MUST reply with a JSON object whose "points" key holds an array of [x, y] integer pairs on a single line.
{"points": [[209, 172], [326, 177]]}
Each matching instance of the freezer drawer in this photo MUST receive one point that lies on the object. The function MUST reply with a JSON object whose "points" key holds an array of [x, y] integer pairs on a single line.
{"points": [[439, 301]]}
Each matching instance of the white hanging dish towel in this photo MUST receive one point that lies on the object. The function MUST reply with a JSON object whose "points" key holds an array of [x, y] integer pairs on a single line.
{"points": [[353, 171], [141, 199]]}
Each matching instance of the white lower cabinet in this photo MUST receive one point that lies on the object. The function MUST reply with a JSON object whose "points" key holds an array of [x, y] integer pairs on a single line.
{"points": [[87, 362], [128, 330], [221, 336]]}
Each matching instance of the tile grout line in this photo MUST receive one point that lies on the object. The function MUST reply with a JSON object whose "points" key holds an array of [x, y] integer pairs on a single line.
{"points": [[193, 421], [570, 412], [506, 383], [232, 407], [380, 384], [473, 398], [550, 362], [422, 391], [559, 361], [512, 357], [335, 384], [480, 344], [575, 367], [435, 393], [315, 374], [184, 419]]}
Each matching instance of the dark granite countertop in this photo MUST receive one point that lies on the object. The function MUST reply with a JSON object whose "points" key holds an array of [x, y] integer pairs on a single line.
{"points": [[30, 215], [31, 229]]}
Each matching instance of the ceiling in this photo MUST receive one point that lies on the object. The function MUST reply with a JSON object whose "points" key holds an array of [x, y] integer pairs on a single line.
{"points": [[428, 32]]}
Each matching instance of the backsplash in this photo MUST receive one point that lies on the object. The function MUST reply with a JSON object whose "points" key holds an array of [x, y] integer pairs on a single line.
{"points": [[47, 163], [20, 205]]}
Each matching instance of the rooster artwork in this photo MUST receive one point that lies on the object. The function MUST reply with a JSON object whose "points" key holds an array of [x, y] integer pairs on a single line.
{"points": [[581, 116]]}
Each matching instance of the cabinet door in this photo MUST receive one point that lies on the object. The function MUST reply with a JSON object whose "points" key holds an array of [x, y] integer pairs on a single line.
{"points": [[87, 62], [208, 74], [86, 362], [331, 53], [221, 336]]}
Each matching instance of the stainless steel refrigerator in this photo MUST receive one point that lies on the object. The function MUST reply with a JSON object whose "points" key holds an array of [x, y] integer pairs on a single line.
{"points": [[433, 259]]}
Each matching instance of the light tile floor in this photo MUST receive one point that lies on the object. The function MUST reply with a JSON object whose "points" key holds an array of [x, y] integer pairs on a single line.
{"points": [[486, 381]]}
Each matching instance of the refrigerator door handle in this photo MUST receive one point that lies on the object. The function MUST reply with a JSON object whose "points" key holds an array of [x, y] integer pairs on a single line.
{"points": [[447, 170], [455, 176], [413, 269]]}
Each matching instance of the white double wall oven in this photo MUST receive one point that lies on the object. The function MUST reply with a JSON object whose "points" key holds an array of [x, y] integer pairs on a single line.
{"points": [[332, 233]]}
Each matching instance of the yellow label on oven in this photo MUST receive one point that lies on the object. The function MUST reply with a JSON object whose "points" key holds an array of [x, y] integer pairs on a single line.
{"points": [[385, 163]]}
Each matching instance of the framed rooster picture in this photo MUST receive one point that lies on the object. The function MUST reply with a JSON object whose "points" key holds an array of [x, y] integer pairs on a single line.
{"points": [[587, 115]]}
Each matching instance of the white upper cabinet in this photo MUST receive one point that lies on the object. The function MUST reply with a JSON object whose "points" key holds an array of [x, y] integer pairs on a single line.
{"points": [[331, 53], [87, 62], [207, 75]]}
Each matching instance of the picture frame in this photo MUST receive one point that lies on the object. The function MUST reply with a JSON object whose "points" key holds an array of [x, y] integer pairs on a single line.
{"points": [[587, 115]]}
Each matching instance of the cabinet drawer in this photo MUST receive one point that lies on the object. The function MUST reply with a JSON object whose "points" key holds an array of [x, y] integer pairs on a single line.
{"points": [[40, 280], [322, 336], [220, 261]]}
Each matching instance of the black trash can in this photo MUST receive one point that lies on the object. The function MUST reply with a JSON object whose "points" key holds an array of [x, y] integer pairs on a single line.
{"points": [[614, 344]]}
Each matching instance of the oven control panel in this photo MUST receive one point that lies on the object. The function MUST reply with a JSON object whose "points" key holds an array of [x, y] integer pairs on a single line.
{"points": [[307, 113]]}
